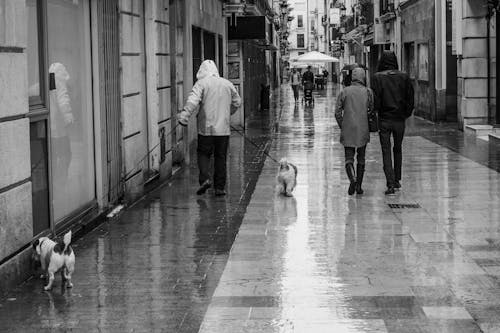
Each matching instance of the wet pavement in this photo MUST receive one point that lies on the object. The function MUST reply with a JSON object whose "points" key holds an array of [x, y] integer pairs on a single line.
{"points": [[425, 260]]}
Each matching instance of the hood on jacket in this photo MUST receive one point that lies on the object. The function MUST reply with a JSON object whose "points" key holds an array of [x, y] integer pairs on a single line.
{"points": [[59, 71], [207, 68], [387, 61], [358, 75]]}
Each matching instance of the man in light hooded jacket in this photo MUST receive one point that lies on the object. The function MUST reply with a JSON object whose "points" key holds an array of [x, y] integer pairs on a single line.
{"points": [[218, 100]]}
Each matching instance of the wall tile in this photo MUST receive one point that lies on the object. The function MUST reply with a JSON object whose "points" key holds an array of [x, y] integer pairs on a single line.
{"points": [[14, 152], [13, 84], [16, 219]]}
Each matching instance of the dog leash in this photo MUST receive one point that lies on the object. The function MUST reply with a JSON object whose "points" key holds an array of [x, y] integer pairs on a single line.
{"points": [[135, 168], [253, 143]]}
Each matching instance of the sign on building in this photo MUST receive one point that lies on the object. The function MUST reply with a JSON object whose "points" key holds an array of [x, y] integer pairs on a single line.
{"points": [[335, 16]]}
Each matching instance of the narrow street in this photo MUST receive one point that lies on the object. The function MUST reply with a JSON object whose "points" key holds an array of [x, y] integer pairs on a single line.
{"points": [[320, 261]]}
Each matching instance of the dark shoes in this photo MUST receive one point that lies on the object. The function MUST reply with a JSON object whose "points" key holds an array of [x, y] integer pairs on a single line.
{"points": [[204, 187], [349, 168], [360, 171], [390, 191], [219, 192]]}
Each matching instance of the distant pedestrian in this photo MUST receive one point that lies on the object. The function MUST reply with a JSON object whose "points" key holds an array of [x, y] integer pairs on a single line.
{"points": [[325, 75], [308, 76], [295, 80], [394, 102], [218, 99], [351, 114]]}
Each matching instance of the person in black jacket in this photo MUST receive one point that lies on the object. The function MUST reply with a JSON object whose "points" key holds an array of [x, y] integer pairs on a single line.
{"points": [[394, 103], [308, 76]]}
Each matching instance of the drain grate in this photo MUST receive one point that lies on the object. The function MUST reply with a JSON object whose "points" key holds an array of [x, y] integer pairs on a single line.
{"points": [[403, 206]]}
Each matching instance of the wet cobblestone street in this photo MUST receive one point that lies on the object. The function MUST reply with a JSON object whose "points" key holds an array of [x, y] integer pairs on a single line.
{"points": [[425, 260]]}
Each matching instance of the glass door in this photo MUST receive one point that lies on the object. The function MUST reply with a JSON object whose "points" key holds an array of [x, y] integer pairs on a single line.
{"points": [[70, 100]]}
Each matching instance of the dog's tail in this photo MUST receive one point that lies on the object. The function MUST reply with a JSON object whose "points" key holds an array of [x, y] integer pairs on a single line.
{"points": [[67, 240]]}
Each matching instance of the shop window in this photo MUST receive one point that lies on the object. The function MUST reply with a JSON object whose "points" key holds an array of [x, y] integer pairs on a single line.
{"points": [[196, 48], [409, 60], [423, 62], [60, 94], [209, 46], [70, 99], [300, 40]]}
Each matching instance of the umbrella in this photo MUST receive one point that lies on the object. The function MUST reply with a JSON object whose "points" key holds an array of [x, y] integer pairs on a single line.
{"points": [[316, 57], [298, 65]]}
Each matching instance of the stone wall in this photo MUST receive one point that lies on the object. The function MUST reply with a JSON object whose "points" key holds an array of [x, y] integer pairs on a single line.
{"points": [[472, 67], [16, 222]]}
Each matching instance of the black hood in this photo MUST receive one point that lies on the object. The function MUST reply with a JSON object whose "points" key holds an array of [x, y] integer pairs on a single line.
{"points": [[387, 61]]}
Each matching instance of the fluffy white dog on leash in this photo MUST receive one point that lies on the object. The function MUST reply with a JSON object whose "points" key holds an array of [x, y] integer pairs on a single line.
{"points": [[287, 177]]}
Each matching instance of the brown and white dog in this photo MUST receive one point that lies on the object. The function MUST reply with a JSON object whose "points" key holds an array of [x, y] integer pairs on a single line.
{"points": [[55, 257], [287, 177]]}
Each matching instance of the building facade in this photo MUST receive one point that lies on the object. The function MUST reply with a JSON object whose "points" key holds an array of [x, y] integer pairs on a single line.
{"points": [[474, 42], [447, 47], [308, 30], [252, 54], [89, 93]]}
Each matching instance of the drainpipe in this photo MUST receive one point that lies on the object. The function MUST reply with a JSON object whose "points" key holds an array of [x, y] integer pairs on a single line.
{"points": [[488, 65]]}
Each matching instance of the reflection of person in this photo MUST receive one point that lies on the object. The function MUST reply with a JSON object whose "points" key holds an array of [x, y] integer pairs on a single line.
{"points": [[218, 99], [295, 84], [352, 116], [394, 103], [61, 117]]}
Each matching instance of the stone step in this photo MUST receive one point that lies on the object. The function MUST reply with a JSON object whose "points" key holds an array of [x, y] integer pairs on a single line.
{"points": [[478, 130]]}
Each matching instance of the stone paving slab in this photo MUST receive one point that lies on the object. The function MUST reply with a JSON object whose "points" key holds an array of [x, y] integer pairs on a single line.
{"points": [[324, 261], [316, 262]]}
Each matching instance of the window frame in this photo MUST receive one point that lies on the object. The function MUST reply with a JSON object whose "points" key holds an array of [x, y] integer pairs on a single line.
{"points": [[300, 21], [38, 104], [303, 41]]}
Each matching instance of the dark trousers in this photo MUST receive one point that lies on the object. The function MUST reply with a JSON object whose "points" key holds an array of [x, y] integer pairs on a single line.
{"points": [[295, 88], [350, 152], [397, 130], [216, 145]]}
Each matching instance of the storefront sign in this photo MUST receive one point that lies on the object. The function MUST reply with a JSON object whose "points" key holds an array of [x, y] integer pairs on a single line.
{"points": [[247, 27], [335, 16]]}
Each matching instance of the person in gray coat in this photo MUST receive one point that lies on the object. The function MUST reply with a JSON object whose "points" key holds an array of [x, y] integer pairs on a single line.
{"points": [[351, 114]]}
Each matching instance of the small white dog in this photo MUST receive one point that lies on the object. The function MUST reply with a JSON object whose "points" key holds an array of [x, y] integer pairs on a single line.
{"points": [[55, 257], [287, 177]]}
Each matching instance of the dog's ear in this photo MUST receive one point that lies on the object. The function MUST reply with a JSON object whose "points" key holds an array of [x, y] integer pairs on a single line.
{"points": [[35, 243]]}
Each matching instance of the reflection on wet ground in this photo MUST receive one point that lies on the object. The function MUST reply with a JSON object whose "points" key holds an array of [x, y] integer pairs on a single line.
{"points": [[156, 266], [320, 261], [326, 262]]}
